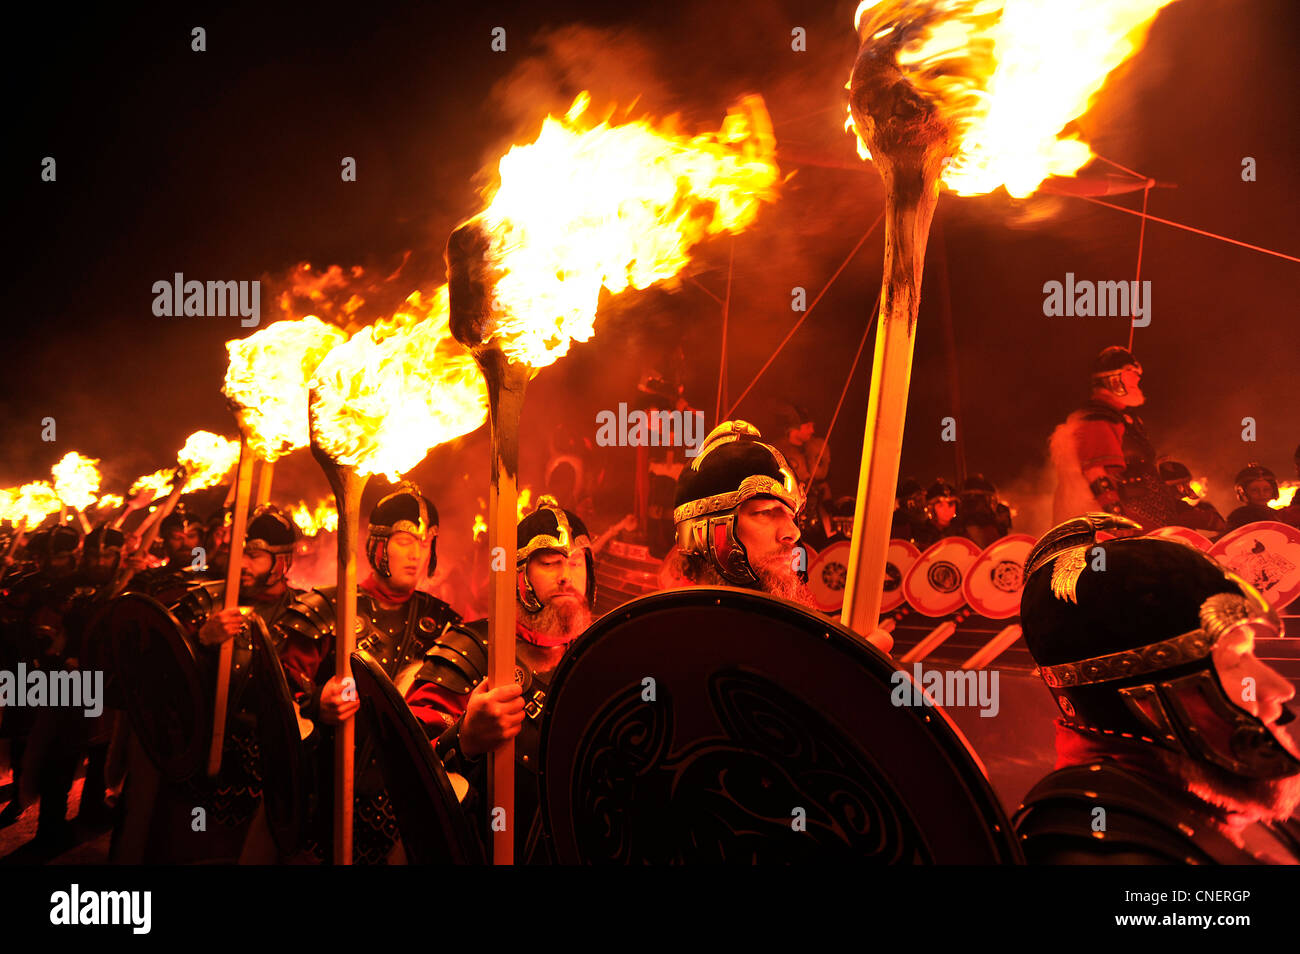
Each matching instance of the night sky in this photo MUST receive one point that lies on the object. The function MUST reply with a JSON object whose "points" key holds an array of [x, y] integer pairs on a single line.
{"points": [[225, 165]]}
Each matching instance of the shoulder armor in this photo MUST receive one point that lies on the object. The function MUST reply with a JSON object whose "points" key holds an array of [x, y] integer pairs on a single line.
{"points": [[311, 615], [457, 660], [1059, 814], [199, 602]]}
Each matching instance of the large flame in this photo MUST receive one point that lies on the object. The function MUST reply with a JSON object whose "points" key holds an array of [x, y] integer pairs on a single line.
{"points": [[207, 459], [396, 389], [267, 380], [310, 521], [28, 505], [1009, 75], [76, 480], [591, 205]]}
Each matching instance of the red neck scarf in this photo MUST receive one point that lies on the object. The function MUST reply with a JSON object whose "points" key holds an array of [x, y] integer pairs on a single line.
{"points": [[375, 588]]}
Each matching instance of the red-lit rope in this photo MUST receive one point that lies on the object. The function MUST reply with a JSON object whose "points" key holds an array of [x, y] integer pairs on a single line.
{"points": [[804, 317], [722, 360], [1142, 235], [1188, 228]]}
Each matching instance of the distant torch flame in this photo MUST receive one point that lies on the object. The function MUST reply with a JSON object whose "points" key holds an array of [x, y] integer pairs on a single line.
{"points": [[29, 504], [110, 502], [1009, 75], [76, 480], [590, 205], [267, 377], [480, 526], [396, 389], [1200, 487], [1285, 494], [325, 517], [207, 459], [523, 503]]}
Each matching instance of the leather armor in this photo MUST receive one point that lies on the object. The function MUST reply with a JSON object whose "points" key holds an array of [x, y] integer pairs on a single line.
{"points": [[1144, 822]]}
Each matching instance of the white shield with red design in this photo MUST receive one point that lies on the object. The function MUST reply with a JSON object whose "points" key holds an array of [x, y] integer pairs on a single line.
{"points": [[992, 585], [933, 585], [1267, 556]]}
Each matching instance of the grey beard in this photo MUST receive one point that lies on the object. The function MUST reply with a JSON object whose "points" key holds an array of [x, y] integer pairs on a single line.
{"points": [[775, 578], [1267, 799], [561, 619]]}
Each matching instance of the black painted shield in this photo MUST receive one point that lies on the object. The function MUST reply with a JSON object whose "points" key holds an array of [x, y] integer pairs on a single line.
{"points": [[721, 725], [286, 792], [435, 830], [160, 683]]}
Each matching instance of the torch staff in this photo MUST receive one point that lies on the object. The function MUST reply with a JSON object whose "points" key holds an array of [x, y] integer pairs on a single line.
{"points": [[506, 382], [235, 563], [471, 294], [264, 478], [152, 524], [347, 485], [908, 142]]}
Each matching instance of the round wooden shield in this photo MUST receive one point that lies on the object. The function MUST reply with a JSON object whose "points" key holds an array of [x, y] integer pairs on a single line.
{"points": [[933, 586], [283, 761], [160, 682], [1183, 535], [993, 583], [722, 725], [902, 555], [828, 573], [435, 830], [1266, 555]]}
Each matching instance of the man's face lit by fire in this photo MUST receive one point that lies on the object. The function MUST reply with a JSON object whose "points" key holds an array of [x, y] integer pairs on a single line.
{"points": [[408, 556], [1255, 686], [766, 528], [798, 436], [1259, 493], [560, 583], [102, 564], [1131, 378], [181, 541], [259, 573], [945, 510]]}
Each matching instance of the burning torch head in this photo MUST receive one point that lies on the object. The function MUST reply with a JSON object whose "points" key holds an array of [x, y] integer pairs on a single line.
{"points": [[903, 125], [470, 284], [1155, 649], [405, 511]]}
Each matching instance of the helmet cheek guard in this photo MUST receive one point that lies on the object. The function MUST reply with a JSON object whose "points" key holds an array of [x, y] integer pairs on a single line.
{"points": [[1181, 704]]}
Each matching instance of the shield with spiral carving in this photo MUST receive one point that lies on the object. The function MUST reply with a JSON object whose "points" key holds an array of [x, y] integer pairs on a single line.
{"points": [[435, 830], [160, 683], [722, 725]]}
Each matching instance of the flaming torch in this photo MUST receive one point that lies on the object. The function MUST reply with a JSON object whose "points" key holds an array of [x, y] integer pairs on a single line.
{"points": [[266, 385], [972, 94], [76, 480], [587, 206], [203, 461], [380, 401]]}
